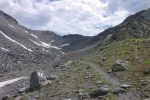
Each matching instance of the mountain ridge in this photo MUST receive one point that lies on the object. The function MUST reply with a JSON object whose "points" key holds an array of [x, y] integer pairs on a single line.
{"points": [[8, 17]]}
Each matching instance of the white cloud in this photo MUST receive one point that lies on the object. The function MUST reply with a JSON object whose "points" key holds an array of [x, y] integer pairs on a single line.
{"points": [[86, 17]]}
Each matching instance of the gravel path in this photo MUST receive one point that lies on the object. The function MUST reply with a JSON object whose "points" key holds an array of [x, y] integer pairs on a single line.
{"points": [[130, 95], [108, 77]]}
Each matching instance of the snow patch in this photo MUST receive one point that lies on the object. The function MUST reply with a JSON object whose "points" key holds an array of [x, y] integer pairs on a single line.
{"points": [[4, 49], [25, 31], [45, 45], [109, 36], [2, 84], [11, 26], [62, 52], [35, 42], [34, 36], [44, 50], [41, 74], [15, 41], [65, 45]]}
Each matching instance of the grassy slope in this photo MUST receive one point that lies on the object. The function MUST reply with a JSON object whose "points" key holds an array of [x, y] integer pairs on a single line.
{"points": [[135, 51]]}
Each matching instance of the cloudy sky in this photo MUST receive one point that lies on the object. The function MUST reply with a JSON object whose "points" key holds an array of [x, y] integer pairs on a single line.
{"points": [[86, 17]]}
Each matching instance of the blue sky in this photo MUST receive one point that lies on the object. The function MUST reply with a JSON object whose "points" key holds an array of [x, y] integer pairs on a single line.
{"points": [[86, 17]]}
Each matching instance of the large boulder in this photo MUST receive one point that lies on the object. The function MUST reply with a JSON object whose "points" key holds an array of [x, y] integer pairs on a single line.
{"points": [[118, 90], [119, 66], [125, 86], [52, 77], [146, 71], [100, 92], [36, 80]]}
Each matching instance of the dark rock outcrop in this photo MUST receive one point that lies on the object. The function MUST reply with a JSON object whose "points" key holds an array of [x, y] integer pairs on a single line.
{"points": [[36, 80]]}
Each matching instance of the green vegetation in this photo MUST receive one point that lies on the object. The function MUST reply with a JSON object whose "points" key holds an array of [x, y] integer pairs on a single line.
{"points": [[135, 51], [147, 62]]}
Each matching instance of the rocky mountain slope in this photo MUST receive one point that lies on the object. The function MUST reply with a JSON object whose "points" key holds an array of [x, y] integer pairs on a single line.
{"points": [[21, 45]]}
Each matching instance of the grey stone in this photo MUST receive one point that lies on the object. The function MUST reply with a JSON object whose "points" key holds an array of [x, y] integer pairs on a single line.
{"points": [[81, 90], [143, 82], [24, 89], [118, 90], [99, 82], [51, 77], [119, 66], [100, 92], [84, 94], [125, 86], [46, 83]]}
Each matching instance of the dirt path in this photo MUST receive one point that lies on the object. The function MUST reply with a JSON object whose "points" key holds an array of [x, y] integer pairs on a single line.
{"points": [[130, 95], [108, 77]]}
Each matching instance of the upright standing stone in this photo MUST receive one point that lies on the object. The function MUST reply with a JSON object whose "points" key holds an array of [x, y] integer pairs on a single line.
{"points": [[36, 80]]}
